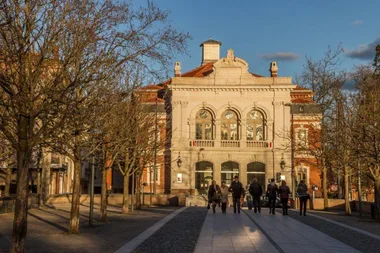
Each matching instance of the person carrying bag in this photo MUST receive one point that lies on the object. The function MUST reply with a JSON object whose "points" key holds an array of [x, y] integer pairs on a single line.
{"points": [[213, 196]]}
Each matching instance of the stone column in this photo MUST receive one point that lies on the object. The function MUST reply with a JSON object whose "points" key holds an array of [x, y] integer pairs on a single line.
{"points": [[183, 122], [217, 133], [243, 140], [243, 172], [216, 173], [45, 177], [176, 120]]}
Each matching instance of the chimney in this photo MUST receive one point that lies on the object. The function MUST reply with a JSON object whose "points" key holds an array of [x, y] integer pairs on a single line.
{"points": [[210, 51], [273, 69], [177, 69]]}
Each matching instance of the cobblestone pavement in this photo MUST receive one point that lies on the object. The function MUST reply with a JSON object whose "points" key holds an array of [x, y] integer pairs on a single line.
{"points": [[180, 234], [355, 239], [47, 229], [364, 222]]}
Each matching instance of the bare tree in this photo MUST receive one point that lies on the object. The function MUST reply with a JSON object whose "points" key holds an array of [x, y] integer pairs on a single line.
{"points": [[324, 78], [367, 128], [51, 52], [7, 162]]}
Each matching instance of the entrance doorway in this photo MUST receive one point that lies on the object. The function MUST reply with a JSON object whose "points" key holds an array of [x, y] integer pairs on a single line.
{"points": [[256, 170], [229, 171], [203, 176]]}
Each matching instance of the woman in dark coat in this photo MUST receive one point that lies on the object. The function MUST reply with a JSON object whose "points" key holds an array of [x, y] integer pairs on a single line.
{"points": [[284, 192], [214, 195]]}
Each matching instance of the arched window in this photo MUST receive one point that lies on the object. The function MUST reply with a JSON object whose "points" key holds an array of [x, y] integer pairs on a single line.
{"points": [[203, 176], [229, 125], [255, 126], [229, 171], [204, 125]]}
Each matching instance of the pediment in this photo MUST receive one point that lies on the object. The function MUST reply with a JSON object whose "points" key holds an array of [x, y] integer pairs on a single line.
{"points": [[231, 67]]}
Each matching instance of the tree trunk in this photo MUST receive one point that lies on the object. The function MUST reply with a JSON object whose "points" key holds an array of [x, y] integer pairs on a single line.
{"points": [[103, 204], [75, 202], [125, 194], [324, 186], [20, 223], [377, 199], [138, 192], [346, 192], [8, 181]]}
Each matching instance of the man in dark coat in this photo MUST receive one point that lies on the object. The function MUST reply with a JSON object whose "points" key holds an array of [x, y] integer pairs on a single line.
{"points": [[272, 191], [237, 190], [256, 191]]}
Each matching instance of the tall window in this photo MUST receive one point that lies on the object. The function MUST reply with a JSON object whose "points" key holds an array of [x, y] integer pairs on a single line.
{"points": [[256, 170], [229, 171], [229, 126], [203, 176], [204, 125], [255, 126]]}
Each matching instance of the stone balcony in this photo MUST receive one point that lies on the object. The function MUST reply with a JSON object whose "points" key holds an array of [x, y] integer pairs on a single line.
{"points": [[230, 144]]}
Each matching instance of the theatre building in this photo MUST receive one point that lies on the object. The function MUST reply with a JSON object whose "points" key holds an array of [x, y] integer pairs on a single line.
{"points": [[227, 121]]}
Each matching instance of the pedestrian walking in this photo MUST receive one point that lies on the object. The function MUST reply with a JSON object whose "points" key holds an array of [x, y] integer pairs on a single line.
{"points": [[214, 195], [271, 193], [303, 196], [256, 192], [224, 196], [237, 190], [283, 193]]}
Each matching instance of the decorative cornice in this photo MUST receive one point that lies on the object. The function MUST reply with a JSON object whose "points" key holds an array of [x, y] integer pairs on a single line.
{"points": [[227, 89]]}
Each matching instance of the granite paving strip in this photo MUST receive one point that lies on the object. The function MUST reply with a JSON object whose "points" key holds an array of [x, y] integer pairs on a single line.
{"points": [[180, 234], [354, 238], [294, 236], [135, 242], [231, 233]]}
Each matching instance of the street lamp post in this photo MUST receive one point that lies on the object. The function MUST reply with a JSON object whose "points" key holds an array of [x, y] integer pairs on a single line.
{"points": [[150, 185]]}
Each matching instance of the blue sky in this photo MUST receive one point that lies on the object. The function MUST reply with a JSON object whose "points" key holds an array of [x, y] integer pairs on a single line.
{"points": [[259, 31]]}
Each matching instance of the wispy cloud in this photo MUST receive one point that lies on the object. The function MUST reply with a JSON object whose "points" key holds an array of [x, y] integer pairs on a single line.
{"points": [[283, 56], [364, 52], [358, 22]]}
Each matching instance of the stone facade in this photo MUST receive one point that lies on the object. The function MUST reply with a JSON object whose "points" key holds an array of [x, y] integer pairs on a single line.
{"points": [[248, 117]]}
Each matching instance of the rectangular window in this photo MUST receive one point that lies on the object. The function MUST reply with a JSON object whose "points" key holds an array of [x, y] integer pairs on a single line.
{"points": [[302, 138], [55, 158], [150, 174]]}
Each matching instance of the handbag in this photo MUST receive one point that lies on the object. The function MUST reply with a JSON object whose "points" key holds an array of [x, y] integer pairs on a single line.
{"points": [[208, 206], [308, 196]]}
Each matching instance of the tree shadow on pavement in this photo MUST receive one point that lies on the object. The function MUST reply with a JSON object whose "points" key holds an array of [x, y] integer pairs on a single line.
{"points": [[49, 222]]}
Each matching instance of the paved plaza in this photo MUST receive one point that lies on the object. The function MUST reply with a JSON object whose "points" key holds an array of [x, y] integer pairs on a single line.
{"points": [[190, 229], [249, 232]]}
